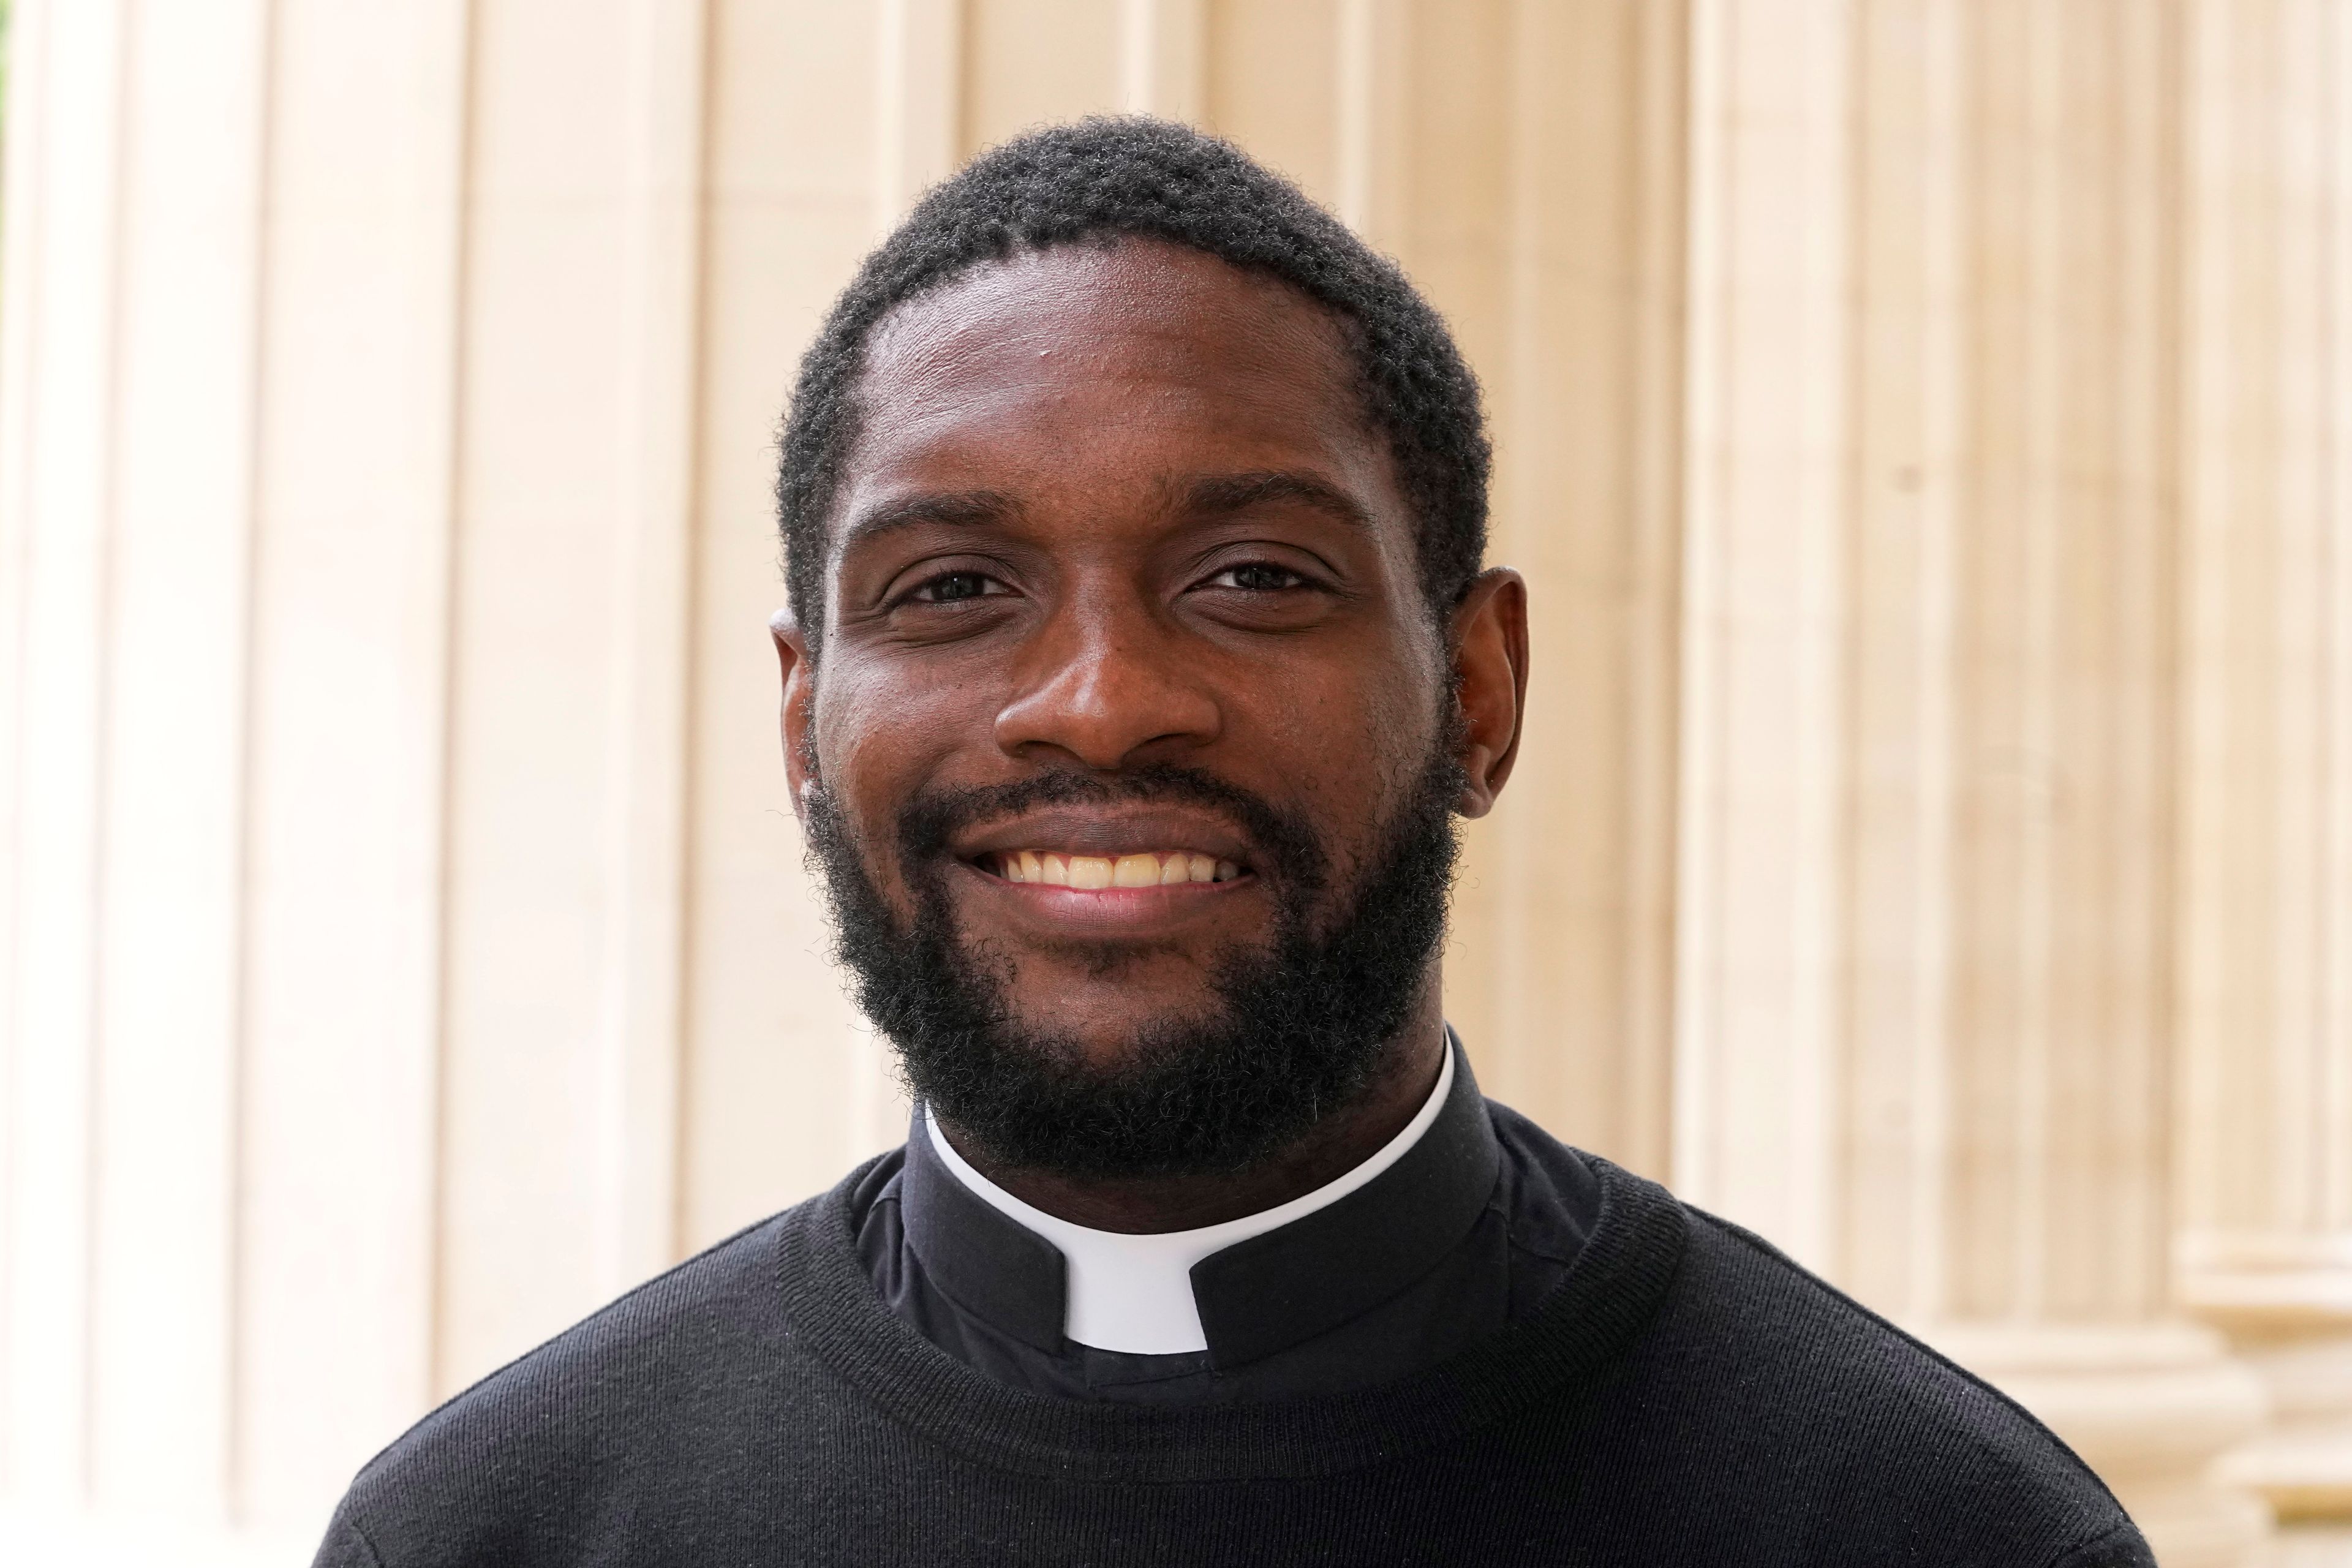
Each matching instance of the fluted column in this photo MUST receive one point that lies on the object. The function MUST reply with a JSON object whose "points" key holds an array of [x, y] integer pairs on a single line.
{"points": [[1926, 1019], [1565, 279], [2266, 1248], [404, 944], [131, 342]]}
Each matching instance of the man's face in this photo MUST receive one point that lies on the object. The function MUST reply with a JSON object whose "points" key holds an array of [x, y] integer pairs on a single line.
{"points": [[1127, 696]]}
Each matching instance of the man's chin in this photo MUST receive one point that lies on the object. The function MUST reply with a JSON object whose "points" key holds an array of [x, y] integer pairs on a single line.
{"points": [[1105, 1058], [1095, 985], [1107, 1022]]}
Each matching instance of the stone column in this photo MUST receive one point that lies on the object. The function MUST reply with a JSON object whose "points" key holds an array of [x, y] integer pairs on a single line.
{"points": [[1925, 1013], [1543, 151], [129, 325], [402, 942], [2266, 1244]]}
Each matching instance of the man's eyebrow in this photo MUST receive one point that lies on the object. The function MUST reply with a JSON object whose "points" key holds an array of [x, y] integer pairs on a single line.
{"points": [[964, 509], [1214, 495]]}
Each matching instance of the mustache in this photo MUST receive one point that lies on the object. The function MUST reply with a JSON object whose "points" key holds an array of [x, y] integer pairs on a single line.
{"points": [[1284, 841]]}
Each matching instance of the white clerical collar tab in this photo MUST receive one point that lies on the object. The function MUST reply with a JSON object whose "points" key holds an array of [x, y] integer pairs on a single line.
{"points": [[1134, 1293]]}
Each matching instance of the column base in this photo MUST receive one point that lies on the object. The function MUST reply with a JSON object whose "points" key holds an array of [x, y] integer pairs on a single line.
{"points": [[2304, 1473], [2286, 1301], [2151, 1407], [2313, 1546]]}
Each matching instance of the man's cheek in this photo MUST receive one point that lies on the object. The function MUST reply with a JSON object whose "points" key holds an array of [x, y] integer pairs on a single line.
{"points": [[907, 889]]}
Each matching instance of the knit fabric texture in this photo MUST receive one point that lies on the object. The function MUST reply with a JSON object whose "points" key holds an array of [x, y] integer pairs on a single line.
{"points": [[1687, 1395]]}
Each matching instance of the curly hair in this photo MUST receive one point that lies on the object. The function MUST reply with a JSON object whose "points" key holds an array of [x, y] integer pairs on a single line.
{"points": [[1107, 177]]}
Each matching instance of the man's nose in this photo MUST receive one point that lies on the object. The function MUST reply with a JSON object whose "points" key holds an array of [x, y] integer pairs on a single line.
{"points": [[1109, 685]]}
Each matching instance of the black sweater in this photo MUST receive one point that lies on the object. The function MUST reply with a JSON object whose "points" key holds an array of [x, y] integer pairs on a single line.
{"points": [[1684, 1396]]}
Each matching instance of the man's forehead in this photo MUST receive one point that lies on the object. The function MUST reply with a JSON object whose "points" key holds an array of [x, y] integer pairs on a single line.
{"points": [[1203, 495], [1098, 313]]}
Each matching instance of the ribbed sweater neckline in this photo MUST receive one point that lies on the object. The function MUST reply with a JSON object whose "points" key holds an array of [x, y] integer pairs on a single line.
{"points": [[1590, 1320]]}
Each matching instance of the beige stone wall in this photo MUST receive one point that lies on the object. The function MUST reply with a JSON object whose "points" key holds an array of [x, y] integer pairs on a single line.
{"points": [[1926, 425]]}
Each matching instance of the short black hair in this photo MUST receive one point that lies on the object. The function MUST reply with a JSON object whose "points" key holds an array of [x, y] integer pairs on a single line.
{"points": [[1108, 177]]}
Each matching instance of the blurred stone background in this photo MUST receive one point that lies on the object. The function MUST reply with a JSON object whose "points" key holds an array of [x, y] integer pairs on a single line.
{"points": [[1925, 424]]}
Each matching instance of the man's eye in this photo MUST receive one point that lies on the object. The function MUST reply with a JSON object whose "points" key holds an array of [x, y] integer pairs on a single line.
{"points": [[950, 587], [1258, 577]]}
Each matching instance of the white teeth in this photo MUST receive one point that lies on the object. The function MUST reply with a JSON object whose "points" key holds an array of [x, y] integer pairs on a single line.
{"points": [[1093, 872]]}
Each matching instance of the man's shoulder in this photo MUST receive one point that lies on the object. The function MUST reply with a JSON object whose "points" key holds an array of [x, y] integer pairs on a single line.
{"points": [[674, 1372], [709, 1310], [1833, 1400]]}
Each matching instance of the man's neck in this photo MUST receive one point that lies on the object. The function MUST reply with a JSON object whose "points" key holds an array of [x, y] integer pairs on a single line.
{"points": [[1329, 1149]]}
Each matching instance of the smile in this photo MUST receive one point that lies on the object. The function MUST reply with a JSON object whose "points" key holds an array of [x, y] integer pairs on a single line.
{"points": [[1095, 873]]}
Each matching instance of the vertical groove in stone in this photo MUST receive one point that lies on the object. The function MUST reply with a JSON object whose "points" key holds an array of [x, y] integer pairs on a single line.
{"points": [[642, 1021], [1911, 311], [2334, 869], [66, 300], [2266, 1248], [1545, 224], [1661, 207], [20, 362], [1765, 612], [234, 1416], [921, 102], [167, 948], [443, 644], [1160, 62], [437, 643], [106, 520]]}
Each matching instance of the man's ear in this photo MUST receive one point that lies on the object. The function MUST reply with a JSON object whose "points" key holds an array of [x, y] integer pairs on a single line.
{"points": [[799, 711], [1488, 637]]}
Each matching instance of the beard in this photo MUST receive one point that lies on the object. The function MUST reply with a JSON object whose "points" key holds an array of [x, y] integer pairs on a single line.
{"points": [[1292, 1031]]}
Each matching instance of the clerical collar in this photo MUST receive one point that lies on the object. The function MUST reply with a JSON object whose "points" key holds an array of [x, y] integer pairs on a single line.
{"points": [[1240, 1291]]}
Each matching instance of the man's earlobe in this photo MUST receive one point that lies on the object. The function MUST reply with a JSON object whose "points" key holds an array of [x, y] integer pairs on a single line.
{"points": [[1489, 639], [797, 708]]}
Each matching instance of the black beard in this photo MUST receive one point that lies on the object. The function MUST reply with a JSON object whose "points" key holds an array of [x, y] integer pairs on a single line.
{"points": [[1297, 1030]]}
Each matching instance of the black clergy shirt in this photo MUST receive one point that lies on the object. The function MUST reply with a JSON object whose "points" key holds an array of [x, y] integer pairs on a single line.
{"points": [[1467, 1232], [1496, 1352]]}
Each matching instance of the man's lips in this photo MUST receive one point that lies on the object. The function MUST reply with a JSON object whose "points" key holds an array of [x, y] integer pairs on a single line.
{"points": [[1051, 913], [1136, 868], [1105, 847], [1093, 873]]}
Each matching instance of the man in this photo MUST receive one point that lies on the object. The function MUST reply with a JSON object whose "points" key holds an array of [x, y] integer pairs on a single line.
{"points": [[1139, 655]]}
